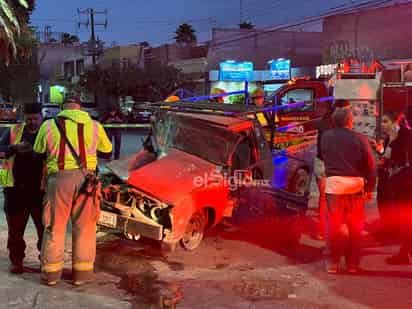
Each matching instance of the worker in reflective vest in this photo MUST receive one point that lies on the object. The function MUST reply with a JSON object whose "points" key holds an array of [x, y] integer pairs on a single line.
{"points": [[64, 200], [258, 100], [21, 176]]}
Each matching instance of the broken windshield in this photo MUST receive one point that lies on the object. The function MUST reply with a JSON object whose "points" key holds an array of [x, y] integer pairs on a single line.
{"points": [[194, 136]]}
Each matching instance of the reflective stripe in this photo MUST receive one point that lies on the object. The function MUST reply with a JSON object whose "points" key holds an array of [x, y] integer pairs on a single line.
{"points": [[62, 145], [6, 174], [52, 267], [262, 119], [84, 266], [13, 134], [53, 150], [16, 133], [91, 150], [82, 149]]}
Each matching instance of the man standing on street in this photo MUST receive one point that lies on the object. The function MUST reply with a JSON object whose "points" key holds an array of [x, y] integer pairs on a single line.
{"points": [[65, 199], [322, 125], [350, 178], [21, 177]]}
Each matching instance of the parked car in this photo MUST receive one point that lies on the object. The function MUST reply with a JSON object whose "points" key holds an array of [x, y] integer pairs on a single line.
{"points": [[92, 109], [50, 110], [189, 178], [140, 113], [8, 112]]}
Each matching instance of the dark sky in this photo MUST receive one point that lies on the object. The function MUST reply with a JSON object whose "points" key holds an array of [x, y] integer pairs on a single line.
{"points": [[132, 21]]}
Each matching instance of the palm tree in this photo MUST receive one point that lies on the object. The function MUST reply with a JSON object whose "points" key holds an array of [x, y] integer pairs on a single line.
{"points": [[246, 25], [185, 34], [14, 16], [68, 38]]}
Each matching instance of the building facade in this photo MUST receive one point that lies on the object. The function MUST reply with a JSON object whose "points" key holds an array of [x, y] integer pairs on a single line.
{"points": [[191, 60], [257, 46], [60, 66], [124, 56], [381, 33]]}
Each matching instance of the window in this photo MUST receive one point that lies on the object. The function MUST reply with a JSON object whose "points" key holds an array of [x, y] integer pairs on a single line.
{"points": [[79, 67], [68, 69], [297, 95], [126, 63]]}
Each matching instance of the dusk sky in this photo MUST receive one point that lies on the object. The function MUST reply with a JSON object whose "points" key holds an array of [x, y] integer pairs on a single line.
{"points": [[132, 21]]}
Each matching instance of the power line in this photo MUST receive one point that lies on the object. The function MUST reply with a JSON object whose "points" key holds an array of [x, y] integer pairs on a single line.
{"points": [[58, 20], [93, 48], [161, 21], [311, 19]]}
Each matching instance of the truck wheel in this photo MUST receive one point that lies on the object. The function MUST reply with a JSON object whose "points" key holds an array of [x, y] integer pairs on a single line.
{"points": [[300, 182], [194, 231]]}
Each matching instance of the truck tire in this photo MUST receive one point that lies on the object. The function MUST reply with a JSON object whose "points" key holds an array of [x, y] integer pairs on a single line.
{"points": [[300, 182], [194, 231]]}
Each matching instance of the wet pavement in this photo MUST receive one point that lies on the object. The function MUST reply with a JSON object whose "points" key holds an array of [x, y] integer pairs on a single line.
{"points": [[233, 268]]}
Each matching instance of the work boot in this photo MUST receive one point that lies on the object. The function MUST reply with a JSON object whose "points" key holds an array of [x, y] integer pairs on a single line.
{"points": [[16, 269], [49, 283], [82, 277], [398, 259]]}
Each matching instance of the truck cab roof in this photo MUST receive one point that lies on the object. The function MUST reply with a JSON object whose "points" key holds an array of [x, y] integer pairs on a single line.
{"points": [[234, 124]]}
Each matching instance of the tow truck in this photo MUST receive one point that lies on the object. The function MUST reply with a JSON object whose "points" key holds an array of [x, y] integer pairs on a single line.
{"points": [[202, 162]]}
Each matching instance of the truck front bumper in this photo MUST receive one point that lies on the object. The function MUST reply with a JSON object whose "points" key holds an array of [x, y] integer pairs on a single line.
{"points": [[131, 225]]}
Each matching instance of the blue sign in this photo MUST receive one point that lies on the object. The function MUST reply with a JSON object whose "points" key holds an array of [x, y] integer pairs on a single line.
{"points": [[236, 71], [280, 69]]}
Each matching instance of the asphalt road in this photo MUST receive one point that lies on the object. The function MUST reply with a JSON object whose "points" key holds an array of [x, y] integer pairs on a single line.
{"points": [[240, 267]]}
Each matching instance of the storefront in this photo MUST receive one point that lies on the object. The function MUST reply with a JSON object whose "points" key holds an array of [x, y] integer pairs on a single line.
{"points": [[279, 73], [234, 76]]}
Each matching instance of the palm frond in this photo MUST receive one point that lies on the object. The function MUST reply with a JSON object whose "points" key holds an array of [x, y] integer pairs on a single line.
{"points": [[9, 34], [24, 4], [5, 8]]}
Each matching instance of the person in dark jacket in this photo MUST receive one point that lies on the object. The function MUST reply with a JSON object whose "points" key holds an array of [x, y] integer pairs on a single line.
{"points": [[397, 166], [113, 117], [22, 176], [322, 125], [350, 178]]}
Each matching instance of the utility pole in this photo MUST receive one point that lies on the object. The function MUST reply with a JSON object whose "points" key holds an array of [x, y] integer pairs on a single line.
{"points": [[241, 12], [94, 48]]}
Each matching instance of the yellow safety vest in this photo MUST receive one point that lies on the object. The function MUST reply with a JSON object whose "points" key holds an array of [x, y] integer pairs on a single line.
{"points": [[6, 172], [95, 139], [262, 119]]}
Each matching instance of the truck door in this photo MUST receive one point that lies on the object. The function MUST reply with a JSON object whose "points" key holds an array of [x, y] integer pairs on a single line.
{"points": [[290, 116], [262, 181]]}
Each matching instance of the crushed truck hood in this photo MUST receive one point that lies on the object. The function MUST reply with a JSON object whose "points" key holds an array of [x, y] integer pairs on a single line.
{"points": [[170, 178]]}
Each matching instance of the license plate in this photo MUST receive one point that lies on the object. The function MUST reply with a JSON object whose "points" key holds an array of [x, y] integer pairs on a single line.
{"points": [[107, 219]]}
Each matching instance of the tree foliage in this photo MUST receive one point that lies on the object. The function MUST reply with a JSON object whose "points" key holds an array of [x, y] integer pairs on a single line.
{"points": [[153, 83], [68, 38], [185, 34], [14, 19], [19, 74]]}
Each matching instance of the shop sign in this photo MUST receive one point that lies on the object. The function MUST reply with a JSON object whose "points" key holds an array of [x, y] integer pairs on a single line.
{"points": [[280, 69], [236, 71]]}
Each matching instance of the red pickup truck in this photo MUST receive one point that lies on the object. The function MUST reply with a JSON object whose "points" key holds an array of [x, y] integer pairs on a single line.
{"points": [[196, 169]]}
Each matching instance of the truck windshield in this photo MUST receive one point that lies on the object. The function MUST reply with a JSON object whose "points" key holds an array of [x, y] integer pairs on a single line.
{"points": [[194, 136]]}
